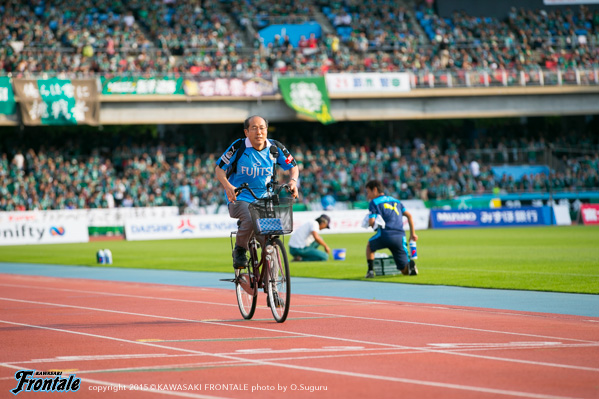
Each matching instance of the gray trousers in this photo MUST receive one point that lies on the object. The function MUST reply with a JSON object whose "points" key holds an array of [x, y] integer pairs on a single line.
{"points": [[239, 210]]}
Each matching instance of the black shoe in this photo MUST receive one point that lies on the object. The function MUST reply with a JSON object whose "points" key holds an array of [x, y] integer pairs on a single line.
{"points": [[240, 259], [413, 270]]}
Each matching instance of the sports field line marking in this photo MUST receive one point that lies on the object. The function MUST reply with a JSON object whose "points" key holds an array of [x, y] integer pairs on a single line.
{"points": [[117, 385], [119, 295], [449, 326], [203, 365], [363, 353], [355, 301], [334, 314], [349, 300], [81, 358], [491, 271], [295, 367], [427, 350]]}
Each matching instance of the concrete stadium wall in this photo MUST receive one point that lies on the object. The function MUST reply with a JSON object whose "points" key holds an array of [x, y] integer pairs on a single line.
{"points": [[417, 104], [443, 103]]}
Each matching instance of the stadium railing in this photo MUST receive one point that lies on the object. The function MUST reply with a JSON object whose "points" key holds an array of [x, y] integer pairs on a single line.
{"points": [[504, 78], [420, 79]]}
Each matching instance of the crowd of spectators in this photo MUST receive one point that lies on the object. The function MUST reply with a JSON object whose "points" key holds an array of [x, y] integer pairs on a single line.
{"points": [[160, 174], [167, 36], [524, 40], [262, 13]]}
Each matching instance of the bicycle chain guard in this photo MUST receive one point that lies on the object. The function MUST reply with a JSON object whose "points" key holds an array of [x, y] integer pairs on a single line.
{"points": [[244, 280]]}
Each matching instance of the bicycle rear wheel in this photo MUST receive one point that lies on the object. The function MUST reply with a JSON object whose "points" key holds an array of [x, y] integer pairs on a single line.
{"points": [[246, 285], [279, 283], [245, 288]]}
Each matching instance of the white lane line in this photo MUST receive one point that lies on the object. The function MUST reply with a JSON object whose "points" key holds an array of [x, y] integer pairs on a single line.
{"points": [[333, 315], [472, 355], [295, 367], [354, 301], [362, 353]]}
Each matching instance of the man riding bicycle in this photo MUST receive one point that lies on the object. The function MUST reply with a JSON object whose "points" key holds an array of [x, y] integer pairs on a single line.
{"points": [[251, 160]]}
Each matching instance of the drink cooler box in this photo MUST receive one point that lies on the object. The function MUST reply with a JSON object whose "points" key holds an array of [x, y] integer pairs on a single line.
{"points": [[385, 267]]}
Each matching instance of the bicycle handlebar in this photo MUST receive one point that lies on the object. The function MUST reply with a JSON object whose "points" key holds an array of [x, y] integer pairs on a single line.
{"points": [[276, 191]]}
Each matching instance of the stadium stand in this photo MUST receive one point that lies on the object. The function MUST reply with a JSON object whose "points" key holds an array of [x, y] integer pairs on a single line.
{"points": [[160, 36], [154, 173], [221, 38]]}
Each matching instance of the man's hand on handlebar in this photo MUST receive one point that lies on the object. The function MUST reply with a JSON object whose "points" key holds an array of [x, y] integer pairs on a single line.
{"points": [[232, 193], [292, 188]]}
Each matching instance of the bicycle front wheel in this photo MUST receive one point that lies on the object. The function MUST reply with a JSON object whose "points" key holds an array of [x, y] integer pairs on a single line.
{"points": [[247, 293], [279, 284]]}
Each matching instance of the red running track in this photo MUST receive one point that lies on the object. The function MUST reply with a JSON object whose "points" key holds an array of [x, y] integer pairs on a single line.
{"points": [[144, 341]]}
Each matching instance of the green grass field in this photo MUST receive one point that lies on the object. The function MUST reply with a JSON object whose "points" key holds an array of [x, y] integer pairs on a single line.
{"points": [[563, 259]]}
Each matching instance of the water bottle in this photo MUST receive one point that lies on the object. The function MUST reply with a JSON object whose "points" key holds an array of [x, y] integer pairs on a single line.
{"points": [[107, 257], [413, 253], [101, 257]]}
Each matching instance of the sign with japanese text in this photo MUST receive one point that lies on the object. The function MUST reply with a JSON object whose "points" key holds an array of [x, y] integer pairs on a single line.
{"points": [[589, 213], [229, 87], [568, 2], [91, 217], [7, 98], [307, 96], [368, 82], [526, 216], [58, 101], [141, 86]]}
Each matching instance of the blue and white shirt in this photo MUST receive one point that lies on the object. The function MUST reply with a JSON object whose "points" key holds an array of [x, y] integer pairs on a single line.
{"points": [[254, 167], [391, 210]]}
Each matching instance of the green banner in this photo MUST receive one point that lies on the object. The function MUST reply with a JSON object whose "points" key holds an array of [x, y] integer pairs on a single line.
{"points": [[58, 101], [140, 86], [59, 96], [7, 97], [308, 96]]}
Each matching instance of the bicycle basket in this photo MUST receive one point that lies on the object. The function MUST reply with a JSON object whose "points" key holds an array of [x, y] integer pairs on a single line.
{"points": [[272, 216]]}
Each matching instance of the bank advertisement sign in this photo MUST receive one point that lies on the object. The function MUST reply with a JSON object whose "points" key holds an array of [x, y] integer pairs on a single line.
{"points": [[28, 233], [526, 216], [589, 213]]}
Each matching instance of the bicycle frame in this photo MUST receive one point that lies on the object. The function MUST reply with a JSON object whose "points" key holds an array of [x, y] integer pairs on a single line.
{"points": [[257, 263], [268, 271]]}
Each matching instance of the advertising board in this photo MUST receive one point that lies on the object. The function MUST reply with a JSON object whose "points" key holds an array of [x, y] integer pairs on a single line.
{"points": [[27, 233], [492, 217], [202, 226], [366, 82], [92, 217], [589, 213]]}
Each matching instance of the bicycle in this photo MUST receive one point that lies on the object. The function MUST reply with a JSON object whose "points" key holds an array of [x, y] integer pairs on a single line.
{"points": [[271, 217]]}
